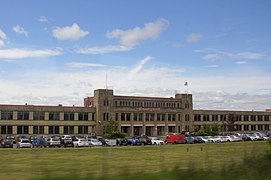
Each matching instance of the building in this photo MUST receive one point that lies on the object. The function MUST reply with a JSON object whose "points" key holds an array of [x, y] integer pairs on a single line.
{"points": [[135, 115]]}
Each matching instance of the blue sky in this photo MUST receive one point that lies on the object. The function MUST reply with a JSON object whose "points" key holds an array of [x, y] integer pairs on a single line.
{"points": [[58, 52]]}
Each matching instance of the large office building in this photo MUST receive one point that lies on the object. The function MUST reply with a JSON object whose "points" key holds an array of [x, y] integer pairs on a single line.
{"points": [[134, 115]]}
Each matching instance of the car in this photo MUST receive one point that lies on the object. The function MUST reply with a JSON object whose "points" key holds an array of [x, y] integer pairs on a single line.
{"points": [[133, 141], [157, 141], [110, 142], [227, 139], [236, 138], [24, 143], [39, 142], [121, 141], [80, 142], [11, 137], [54, 142], [215, 139], [251, 137], [189, 140], [94, 142], [144, 140], [7, 143], [66, 141]]}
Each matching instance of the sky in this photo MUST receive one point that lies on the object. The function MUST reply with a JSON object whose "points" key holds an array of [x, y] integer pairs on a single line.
{"points": [[58, 52]]}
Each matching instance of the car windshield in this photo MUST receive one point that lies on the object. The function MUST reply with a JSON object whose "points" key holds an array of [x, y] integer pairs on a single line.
{"points": [[25, 141]]}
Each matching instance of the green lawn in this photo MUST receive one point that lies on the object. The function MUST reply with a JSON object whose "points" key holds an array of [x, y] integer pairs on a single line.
{"points": [[112, 161]]}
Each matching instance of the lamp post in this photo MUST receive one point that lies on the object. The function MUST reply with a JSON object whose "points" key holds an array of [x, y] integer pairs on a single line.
{"points": [[186, 108]]}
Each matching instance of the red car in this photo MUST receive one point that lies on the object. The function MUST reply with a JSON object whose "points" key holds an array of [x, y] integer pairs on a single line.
{"points": [[175, 138]]}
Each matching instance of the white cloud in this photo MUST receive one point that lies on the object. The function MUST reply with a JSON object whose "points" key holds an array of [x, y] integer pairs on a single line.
{"points": [[27, 53], [133, 37], [140, 65], [194, 37], [250, 55], [84, 65], [20, 30], [42, 19], [3, 39], [212, 56], [73, 32], [103, 49], [241, 62]]}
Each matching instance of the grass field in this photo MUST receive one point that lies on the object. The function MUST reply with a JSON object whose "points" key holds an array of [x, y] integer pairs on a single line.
{"points": [[43, 163]]}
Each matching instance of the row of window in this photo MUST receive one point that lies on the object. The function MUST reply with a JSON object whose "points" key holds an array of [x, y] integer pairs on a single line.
{"points": [[238, 127], [40, 129], [148, 104], [230, 117], [149, 117], [40, 115]]}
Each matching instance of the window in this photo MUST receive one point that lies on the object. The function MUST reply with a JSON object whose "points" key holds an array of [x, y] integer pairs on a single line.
{"points": [[22, 115], [7, 115], [214, 117], [187, 118], [253, 118], [206, 117], [197, 117], [266, 127], [54, 116], [22, 129], [39, 115], [253, 127], [161, 117], [6, 130], [68, 116], [53, 129], [82, 129], [266, 118], [68, 129], [125, 116], [149, 116], [105, 116], [260, 118], [245, 117], [171, 117], [38, 129], [83, 117]]}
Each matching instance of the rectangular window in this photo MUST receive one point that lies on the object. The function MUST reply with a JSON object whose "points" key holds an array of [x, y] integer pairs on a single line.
{"points": [[266, 127], [83, 117], [68, 116], [82, 129], [245, 117], [6, 115], [54, 116], [68, 129], [53, 129], [266, 118], [39, 115], [22, 115], [38, 129], [22, 130]]}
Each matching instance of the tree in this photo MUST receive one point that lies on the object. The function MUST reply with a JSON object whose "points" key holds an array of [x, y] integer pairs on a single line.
{"points": [[111, 130], [209, 129]]}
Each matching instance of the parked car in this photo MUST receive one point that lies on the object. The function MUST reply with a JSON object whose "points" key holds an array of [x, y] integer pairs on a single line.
{"points": [[157, 141], [94, 142], [227, 139], [121, 141], [7, 143], [23, 143], [66, 141], [214, 139], [189, 140], [39, 142], [80, 143], [54, 142], [144, 140], [133, 141], [11, 137], [175, 138], [110, 142], [251, 136]]}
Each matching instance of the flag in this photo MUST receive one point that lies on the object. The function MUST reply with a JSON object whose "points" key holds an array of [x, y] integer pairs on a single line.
{"points": [[186, 83]]}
